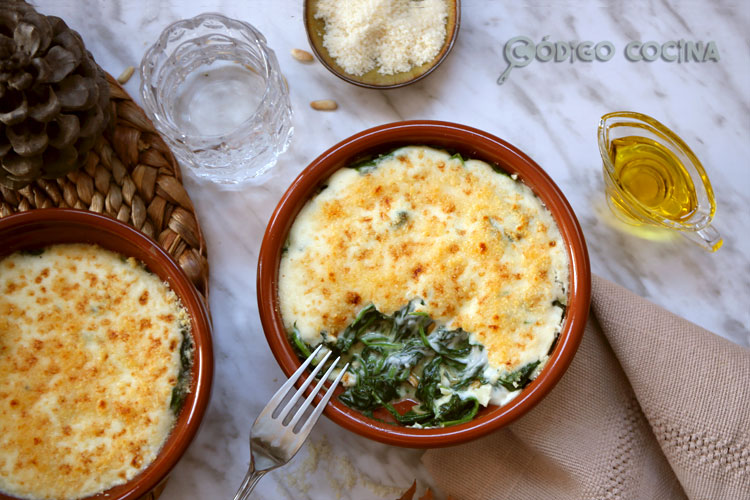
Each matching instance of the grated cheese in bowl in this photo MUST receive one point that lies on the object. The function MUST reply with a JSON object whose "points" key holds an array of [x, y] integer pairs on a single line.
{"points": [[391, 35]]}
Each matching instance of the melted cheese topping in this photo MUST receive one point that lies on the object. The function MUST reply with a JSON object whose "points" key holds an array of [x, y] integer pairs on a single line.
{"points": [[478, 247], [89, 355]]}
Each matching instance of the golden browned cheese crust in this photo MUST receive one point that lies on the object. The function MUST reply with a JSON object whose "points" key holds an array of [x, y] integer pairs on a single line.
{"points": [[478, 247], [89, 354]]}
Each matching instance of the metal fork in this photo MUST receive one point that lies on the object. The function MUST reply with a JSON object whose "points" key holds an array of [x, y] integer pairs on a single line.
{"points": [[273, 440]]}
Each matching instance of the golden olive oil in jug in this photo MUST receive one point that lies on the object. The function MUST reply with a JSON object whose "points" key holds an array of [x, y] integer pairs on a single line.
{"points": [[651, 177], [654, 177]]}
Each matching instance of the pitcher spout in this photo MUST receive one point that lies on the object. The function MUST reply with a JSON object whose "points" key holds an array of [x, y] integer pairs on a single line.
{"points": [[707, 238]]}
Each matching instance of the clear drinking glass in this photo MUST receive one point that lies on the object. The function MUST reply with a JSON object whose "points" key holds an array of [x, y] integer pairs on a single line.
{"points": [[214, 90]]}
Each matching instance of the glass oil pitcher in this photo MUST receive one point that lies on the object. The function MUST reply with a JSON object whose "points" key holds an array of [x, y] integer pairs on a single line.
{"points": [[652, 178]]}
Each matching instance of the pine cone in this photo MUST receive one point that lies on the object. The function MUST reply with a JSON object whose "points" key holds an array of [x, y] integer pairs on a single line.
{"points": [[54, 99]]}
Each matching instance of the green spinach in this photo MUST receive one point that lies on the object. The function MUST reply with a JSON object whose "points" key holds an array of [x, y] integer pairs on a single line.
{"points": [[182, 387], [407, 355]]}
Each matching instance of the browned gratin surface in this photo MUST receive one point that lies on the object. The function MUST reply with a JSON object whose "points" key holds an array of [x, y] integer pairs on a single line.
{"points": [[477, 246], [89, 355]]}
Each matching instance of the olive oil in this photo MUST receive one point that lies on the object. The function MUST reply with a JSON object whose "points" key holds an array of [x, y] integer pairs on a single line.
{"points": [[654, 177]]}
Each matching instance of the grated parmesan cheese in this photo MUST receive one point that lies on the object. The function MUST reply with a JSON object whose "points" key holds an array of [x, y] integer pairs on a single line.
{"points": [[390, 35]]}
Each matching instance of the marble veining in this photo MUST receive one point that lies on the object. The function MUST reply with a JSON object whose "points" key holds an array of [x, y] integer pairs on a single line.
{"points": [[548, 110]]}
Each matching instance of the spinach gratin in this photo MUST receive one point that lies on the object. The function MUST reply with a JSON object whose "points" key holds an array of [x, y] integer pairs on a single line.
{"points": [[441, 279], [95, 357]]}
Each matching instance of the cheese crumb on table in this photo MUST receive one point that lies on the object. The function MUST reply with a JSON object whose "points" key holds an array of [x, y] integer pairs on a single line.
{"points": [[391, 35]]}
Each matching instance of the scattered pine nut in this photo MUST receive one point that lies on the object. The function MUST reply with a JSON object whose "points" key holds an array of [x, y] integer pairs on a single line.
{"points": [[125, 75], [324, 105], [302, 55]]}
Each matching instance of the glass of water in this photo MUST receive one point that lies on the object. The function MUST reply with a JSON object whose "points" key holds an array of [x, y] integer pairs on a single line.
{"points": [[214, 90]]}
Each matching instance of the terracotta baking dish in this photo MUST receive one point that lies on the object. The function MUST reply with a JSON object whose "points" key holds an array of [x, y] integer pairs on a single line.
{"points": [[38, 228], [471, 143]]}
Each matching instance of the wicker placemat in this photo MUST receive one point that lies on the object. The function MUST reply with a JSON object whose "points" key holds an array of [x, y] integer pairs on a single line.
{"points": [[132, 176]]}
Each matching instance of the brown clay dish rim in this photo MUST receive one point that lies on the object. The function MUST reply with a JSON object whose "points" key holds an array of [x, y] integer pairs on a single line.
{"points": [[38, 228], [471, 143], [314, 29]]}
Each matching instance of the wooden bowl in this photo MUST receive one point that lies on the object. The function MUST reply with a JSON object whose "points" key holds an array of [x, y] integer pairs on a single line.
{"points": [[470, 143], [39, 228], [372, 79]]}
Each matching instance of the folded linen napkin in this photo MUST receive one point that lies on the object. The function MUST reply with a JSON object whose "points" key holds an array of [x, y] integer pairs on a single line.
{"points": [[652, 407]]}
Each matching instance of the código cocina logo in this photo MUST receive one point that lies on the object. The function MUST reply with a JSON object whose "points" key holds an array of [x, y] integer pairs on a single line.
{"points": [[520, 51]]}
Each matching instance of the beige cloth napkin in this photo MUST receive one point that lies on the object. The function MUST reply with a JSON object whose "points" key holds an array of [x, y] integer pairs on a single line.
{"points": [[652, 407]]}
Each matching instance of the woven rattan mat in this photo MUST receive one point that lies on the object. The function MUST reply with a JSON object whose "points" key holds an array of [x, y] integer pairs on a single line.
{"points": [[131, 176]]}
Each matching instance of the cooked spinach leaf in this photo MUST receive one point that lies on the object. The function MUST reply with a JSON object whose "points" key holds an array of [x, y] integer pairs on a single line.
{"points": [[560, 305], [407, 355], [519, 378], [458, 411], [34, 252], [402, 218], [369, 163], [301, 347], [499, 170], [458, 157], [182, 387], [428, 389]]}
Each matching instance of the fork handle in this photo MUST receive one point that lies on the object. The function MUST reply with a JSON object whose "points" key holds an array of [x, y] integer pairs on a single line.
{"points": [[251, 479]]}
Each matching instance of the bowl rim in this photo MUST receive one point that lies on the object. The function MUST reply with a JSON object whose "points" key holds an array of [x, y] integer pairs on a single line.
{"points": [[103, 231], [473, 143], [450, 40]]}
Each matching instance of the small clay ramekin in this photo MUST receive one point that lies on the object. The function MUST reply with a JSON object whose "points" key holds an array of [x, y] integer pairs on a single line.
{"points": [[470, 143], [39, 228]]}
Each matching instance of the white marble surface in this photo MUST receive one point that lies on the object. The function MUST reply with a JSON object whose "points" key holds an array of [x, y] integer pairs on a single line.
{"points": [[548, 110]]}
